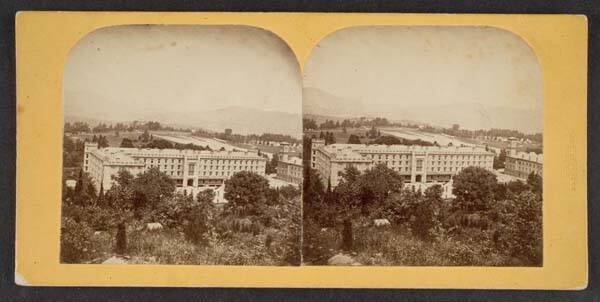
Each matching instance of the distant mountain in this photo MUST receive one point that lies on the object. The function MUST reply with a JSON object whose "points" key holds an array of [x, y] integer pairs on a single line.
{"points": [[321, 105], [477, 116], [319, 102], [250, 120], [241, 120]]}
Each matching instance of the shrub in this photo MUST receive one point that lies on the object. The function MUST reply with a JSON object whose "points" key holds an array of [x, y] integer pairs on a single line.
{"points": [[520, 229], [75, 241], [319, 244], [289, 192], [168, 247], [121, 239], [197, 229]]}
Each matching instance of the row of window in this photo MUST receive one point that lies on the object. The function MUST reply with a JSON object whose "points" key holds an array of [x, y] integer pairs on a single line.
{"points": [[208, 161], [431, 157]]}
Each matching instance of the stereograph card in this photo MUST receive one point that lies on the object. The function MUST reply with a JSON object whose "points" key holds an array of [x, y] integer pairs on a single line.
{"points": [[346, 150]]}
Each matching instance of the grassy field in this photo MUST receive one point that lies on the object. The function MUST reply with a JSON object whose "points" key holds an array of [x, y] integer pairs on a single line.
{"points": [[169, 246], [396, 245]]}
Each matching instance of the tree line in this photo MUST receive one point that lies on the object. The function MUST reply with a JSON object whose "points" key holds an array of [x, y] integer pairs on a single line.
{"points": [[84, 127], [311, 124]]}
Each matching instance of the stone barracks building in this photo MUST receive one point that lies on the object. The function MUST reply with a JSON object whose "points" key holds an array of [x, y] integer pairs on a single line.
{"points": [[289, 168], [521, 164], [192, 170], [417, 164]]}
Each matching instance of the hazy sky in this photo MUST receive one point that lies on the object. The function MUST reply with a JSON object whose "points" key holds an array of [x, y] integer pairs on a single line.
{"points": [[427, 66], [129, 72]]}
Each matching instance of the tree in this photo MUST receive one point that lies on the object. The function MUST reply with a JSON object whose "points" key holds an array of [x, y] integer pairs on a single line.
{"points": [[500, 160], [347, 193], [246, 193], [72, 152], [200, 218], [127, 143], [205, 197], [120, 195], [373, 133], [353, 139], [535, 183], [347, 235], [121, 239], [85, 192], [366, 191], [520, 228], [313, 190], [387, 140], [329, 138], [100, 199], [145, 136], [273, 196], [309, 124], [402, 206], [427, 211], [159, 144], [529, 227], [151, 187], [516, 187], [123, 178], [474, 189], [376, 184], [75, 240], [289, 192], [76, 127], [271, 166], [102, 141], [350, 174]]}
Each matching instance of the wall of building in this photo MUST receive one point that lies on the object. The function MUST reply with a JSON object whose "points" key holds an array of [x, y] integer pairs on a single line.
{"points": [[415, 164], [522, 168], [290, 172], [192, 170]]}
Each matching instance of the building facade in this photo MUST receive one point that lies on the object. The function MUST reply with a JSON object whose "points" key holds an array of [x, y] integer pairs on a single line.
{"points": [[521, 164], [416, 164], [192, 170], [289, 168]]}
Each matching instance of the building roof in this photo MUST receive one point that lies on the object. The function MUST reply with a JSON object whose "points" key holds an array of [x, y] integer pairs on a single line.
{"points": [[117, 157], [293, 160], [531, 156], [348, 149], [128, 156], [344, 152]]}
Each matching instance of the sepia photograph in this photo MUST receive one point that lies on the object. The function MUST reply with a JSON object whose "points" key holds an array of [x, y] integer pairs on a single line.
{"points": [[422, 147], [301, 150], [182, 145]]}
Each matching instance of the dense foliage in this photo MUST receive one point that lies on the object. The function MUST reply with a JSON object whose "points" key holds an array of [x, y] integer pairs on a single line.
{"points": [[72, 152], [260, 226], [487, 223]]}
